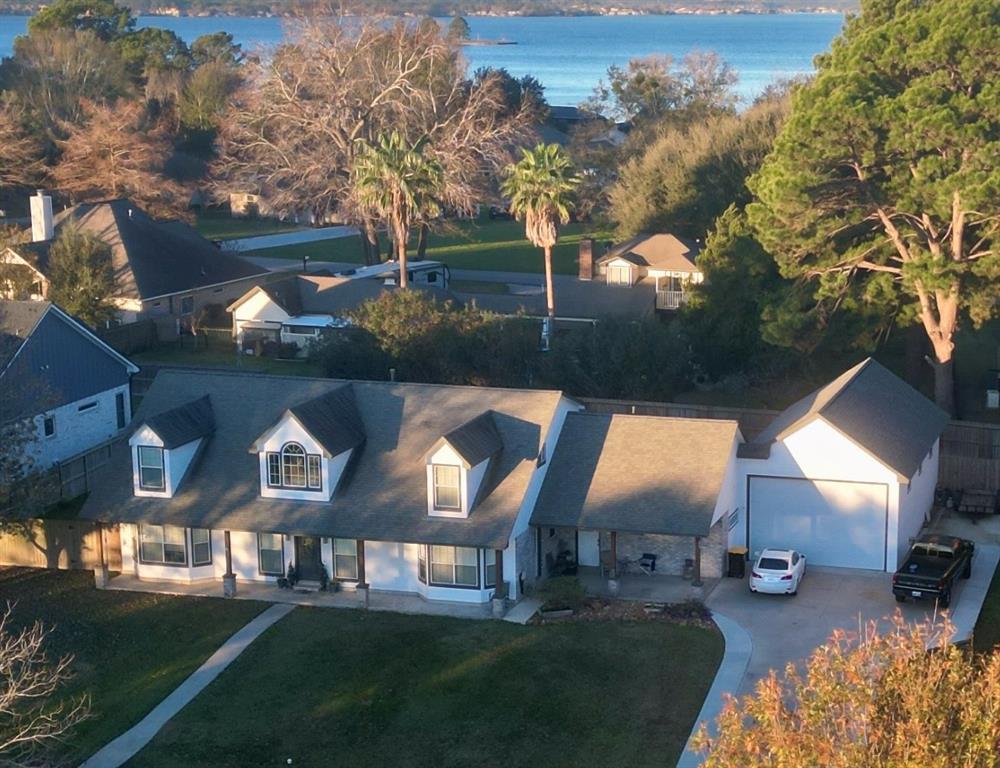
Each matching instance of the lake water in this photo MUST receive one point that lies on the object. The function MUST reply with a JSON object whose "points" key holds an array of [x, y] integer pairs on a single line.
{"points": [[569, 55]]}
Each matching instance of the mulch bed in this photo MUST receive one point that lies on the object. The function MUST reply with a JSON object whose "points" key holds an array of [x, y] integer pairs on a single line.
{"points": [[691, 612]]}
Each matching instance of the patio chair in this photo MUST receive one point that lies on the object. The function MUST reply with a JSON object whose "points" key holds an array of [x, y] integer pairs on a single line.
{"points": [[647, 563]]}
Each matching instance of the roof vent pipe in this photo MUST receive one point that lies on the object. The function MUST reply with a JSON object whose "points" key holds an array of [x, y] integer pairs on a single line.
{"points": [[42, 227]]}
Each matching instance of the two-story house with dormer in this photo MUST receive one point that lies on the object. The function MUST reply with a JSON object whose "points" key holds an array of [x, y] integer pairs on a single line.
{"points": [[413, 488]]}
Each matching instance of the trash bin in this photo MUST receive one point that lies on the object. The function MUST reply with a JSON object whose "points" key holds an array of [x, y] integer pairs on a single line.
{"points": [[737, 562]]}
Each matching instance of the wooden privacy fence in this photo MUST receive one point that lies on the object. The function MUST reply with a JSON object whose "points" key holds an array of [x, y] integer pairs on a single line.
{"points": [[969, 458], [752, 421], [76, 474], [62, 544]]}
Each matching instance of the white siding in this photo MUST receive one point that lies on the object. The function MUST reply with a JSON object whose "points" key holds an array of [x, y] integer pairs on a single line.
{"points": [[446, 455], [818, 452], [289, 431], [258, 308], [78, 431], [915, 502]]}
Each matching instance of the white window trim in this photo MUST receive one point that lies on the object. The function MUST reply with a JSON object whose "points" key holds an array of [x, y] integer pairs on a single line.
{"points": [[438, 507], [312, 469], [455, 565], [163, 545], [162, 467]]}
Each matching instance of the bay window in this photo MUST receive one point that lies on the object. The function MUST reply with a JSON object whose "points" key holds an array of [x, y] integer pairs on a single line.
{"points": [[345, 559], [454, 566], [490, 570], [162, 544], [201, 546]]}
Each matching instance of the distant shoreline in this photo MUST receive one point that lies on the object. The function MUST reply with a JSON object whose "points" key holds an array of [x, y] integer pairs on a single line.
{"points": [[566, 14]]}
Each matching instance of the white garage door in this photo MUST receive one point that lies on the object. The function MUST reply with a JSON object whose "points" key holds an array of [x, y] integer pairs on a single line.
{"points": [[831, 522]]}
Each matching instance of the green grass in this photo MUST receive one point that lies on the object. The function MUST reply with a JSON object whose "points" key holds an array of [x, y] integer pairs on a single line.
{"points": [[327, 687], [987, 633], [130, 649], [482, 245], [219, 225], [219, 355]]}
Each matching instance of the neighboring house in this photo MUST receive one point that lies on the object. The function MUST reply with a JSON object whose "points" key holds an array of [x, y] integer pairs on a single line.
{"points": [[846, 475], [665, 261], [298, 309], [160, 267], [301, 308], [54, 370], [415, 488], [444, 491]]}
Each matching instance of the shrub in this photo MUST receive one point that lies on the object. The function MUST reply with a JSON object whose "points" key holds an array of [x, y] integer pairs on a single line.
{"points": [[561, 593]]}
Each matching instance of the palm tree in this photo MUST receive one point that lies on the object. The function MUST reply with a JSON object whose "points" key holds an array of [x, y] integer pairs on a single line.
{"points": [[539, 188], [397, 181]]}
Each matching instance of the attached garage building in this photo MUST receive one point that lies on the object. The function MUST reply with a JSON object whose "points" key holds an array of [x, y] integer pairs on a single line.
{"points": [[846, 475]]}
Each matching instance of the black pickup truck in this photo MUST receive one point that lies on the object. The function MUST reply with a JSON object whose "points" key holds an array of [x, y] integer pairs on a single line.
{"points": [[931, 567]]}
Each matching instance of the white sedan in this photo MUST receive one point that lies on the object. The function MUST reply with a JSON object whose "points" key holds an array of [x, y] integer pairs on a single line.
{"points": [[778, 572]]}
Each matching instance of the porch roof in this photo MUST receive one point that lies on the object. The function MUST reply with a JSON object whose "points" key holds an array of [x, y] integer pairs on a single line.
{"points": [[638, 474]]}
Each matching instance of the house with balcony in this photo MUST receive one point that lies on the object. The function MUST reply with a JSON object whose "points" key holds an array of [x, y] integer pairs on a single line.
{"points": [[663, 261]]}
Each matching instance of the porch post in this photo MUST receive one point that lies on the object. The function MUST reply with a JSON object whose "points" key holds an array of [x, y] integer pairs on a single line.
{"points": [[361, 562], [501, 585], [229, 579], [101, 569], [362, 587], [696, 575], [613, 569]]}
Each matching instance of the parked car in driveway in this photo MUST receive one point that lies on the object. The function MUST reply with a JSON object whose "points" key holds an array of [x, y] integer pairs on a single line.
{"points": [[931, 568], [778, 572]]}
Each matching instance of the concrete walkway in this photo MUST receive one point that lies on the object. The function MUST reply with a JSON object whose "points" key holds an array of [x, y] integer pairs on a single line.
{"points": [[739, 647], [129, 743], [523, 611], [280, 239]]}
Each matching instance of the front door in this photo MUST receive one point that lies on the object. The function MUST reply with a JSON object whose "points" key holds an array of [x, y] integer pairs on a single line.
{"points": [[589, 543], [308, 560]]}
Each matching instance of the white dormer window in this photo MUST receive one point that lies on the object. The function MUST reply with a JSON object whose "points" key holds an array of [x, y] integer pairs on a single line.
{"points": [[293, 468], [447, 487], [151, 474]]}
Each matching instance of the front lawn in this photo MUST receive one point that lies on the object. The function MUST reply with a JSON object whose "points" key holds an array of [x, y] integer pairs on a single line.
{"points": [[221, 355], [131, 649], [480, 245], [219, 225], [326, 687]]}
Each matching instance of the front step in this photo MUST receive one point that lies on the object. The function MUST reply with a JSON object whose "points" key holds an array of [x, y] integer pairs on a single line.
{"points": [[306, 586]]}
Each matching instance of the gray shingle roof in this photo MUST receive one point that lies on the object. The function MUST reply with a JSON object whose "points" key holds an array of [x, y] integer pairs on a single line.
{"points": [[179, 426], [475, 440], [49, 358], [327, 295], [643, 474], [150, 258], [660, 251], [385, 496], [874, 408], [17, 321], [332, 418]]}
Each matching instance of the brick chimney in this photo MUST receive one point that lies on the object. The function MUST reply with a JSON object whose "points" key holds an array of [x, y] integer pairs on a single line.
{"points": [[586, 259], [42, 228]]}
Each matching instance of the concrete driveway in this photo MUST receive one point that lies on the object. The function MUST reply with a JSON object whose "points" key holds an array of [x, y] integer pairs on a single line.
{"points": [[784, 628]]}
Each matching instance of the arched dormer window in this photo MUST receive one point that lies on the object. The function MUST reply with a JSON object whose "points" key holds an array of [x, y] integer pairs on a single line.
{"points": [[295, 469]]}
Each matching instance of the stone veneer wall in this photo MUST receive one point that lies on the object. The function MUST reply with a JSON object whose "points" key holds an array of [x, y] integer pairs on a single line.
{"points": [[672, 551], [525, 551]]}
